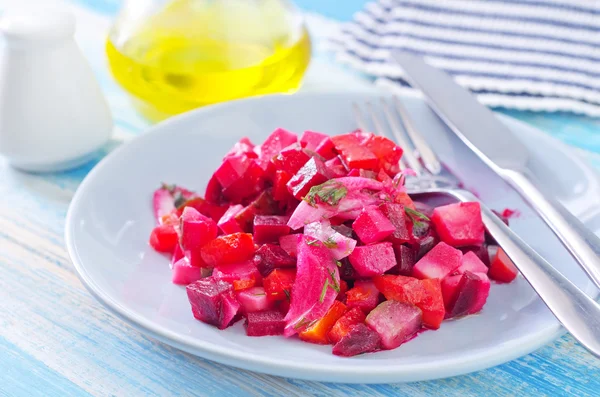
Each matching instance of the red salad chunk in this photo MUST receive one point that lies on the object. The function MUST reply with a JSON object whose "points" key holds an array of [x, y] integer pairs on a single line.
{"points": [[312, 139], [232, 248], [317, 238], [459, 224], [213, 302], [363, 295], [268, 228], [360, 339], [438, 263], [425, 294], [313, 173], [395, 322], [353, 154], [372, 225], [502, 269], [373, 260], [270, 257], [264, 323]]}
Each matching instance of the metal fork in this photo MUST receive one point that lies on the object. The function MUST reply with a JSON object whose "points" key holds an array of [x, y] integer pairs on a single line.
{"points": [[576, 311]]}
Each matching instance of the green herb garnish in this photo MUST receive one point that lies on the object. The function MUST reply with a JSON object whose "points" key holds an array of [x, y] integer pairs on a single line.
{"points": [[416, 216], [330, 243], [170, 188], [330, 192], [261, 294], [338, 263], [324, 291], [335, 285], [312, 242], [287, 294], [304, 322]]}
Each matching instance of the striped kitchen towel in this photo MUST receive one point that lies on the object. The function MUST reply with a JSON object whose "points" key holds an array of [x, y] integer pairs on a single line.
{"points": [[541, 55]]}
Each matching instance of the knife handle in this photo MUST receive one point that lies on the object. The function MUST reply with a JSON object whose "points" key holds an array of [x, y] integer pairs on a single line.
{"points": [[583, 245], [576, 311]]}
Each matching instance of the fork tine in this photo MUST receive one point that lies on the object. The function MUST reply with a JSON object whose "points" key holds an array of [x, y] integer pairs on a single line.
{"points": [[413, 162], [429, 158]]}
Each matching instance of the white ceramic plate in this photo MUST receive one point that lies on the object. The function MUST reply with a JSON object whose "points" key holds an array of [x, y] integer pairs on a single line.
{"points": [[110, 219]]}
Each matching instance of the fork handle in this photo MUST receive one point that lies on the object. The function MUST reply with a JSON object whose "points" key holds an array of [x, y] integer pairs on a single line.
{"points": [[576, 311], [583, 245]]}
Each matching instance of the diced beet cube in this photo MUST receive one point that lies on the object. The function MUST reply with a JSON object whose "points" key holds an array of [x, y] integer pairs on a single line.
{"points": [[196, 230], [283, 306], [425, 244], [278, 284], [232, 248], [280, 190], [317, 332], [470, 262], [214, 191], [372, 225], [290, 243], [471, 294], [345, 323], [243, 147], [164, 238], [177, 255], [360, 339], [313, 173], [240, 178], [502, 268], [387, 152], [278, 140], [269, 257], [373, 260], [311, 140], [459, 224], [264, 323], [184, 273], [481, 251], [363, 295], [326, 149], [254, 299], [336, 167], [402, 224], [290, 159], [241, 275], [438, 263], [347, 272], [213, 211], [228, 224], [262, 205], [353, 154], [405, 259], [450, 286], [425, 294], [213, 302], [268, 228], [395, 322]]}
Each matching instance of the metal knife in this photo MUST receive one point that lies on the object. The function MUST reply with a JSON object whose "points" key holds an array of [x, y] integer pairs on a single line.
{"points": [[495, 144]]}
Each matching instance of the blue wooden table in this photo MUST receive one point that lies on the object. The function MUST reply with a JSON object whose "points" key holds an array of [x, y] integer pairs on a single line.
{"points": [[56, 340]]}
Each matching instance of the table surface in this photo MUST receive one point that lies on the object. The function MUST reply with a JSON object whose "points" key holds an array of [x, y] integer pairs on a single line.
{"points": [[57, 340]]}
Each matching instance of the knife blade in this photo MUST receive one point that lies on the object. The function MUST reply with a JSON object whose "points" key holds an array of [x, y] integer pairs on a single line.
{"points": [[475, 124], [496, 145]]}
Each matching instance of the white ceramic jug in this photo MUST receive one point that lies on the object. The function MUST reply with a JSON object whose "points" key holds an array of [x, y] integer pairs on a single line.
{"points": [[53, 115]]}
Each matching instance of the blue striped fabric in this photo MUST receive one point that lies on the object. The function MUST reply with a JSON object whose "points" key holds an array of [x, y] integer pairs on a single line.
{"points": [[541, 55]]}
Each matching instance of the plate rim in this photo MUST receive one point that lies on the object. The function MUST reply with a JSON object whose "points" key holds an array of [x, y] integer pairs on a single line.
{"points": [[358, 373]]}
